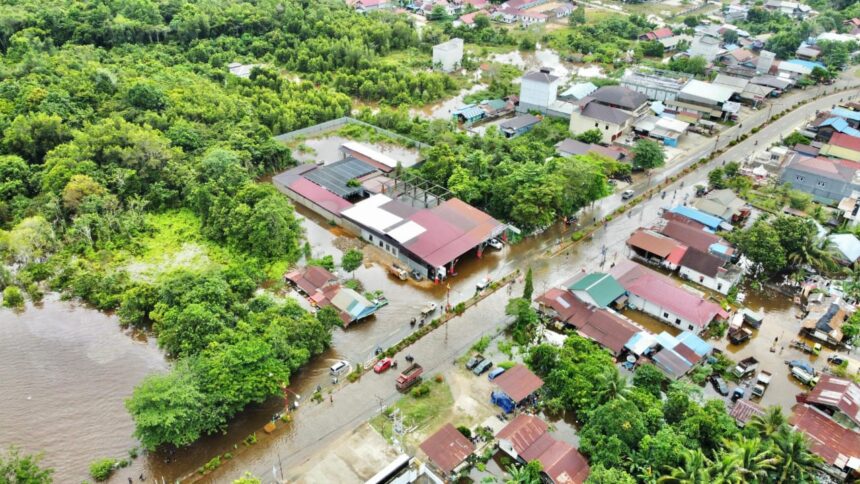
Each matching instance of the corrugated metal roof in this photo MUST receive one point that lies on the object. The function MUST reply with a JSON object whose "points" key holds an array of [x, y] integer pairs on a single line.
{"points": [[848, 245], [447, 448], [838, 393], [831, 441], [652, 242], [702, 262], [691, 213], [744, 410], [707, 91], [319, 195], [518, 383], [335, 177], [603, 288], [690, 235]]}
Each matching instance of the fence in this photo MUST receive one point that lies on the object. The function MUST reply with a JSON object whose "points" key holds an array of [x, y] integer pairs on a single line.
{"points": [[343, 121]]}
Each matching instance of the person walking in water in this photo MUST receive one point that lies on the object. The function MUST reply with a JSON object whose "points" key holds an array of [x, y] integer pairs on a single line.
{"points": [[331, 399]]}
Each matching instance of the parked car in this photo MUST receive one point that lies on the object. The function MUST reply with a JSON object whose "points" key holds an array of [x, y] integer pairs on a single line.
{"points": [[383, 365], [474, 361], [627, 194], [339, 368], [482, 367], [836, 360], [496, 244], [483, 283], [720, 385], [495, 373]]}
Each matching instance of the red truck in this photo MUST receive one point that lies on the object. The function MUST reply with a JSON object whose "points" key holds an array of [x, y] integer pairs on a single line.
{"points": [[409, 377]]}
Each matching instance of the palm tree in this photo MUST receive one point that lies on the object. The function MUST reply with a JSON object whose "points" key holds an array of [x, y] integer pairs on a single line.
{"points": [[851, 285], [693, 470], [611, 384], [527, 474], [795, 460], [725, 469], [754, 460], [815, 253], [768, 424]]}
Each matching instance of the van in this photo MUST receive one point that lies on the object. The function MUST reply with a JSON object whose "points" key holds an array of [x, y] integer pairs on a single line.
{"points": [[495, 373], [338, 368]]}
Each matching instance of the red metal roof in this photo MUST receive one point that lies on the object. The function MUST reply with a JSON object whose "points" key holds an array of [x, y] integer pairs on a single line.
{"points": [[661, 291], [845, 141], [744, 410], [690, 235], [837, 393], [568, 307], [608, 330], [518, 383], [559, 460], [447, 448], [676, 255], [311, 278], [833, 442], [319, 195], [652, 242], [523, 432]]}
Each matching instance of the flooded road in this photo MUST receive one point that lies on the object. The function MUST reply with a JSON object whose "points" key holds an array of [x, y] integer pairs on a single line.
{"points": [[65, 371]]}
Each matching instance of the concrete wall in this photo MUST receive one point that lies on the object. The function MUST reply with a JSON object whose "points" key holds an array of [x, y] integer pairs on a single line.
{"points": [[539, 94], [580, 123], [826, 190], [658, 312], [717, 284], [448, 55]]}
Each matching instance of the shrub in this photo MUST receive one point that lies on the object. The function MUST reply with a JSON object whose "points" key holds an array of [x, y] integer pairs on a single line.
{"points": [[421, 390], [132, 453], [12, 297], [439, 378], [101, 469], [460, 308], [577, 236], [465, 431], [482, 344], [212, 464]]}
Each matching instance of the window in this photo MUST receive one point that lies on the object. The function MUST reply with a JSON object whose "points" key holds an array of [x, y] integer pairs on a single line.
{"points": [[606, 127], [380, 243], [370, 237], [701, 279], [690, 327], [799, 178], [678, 321], [720, 286], [666, 315], [822, 184], [596, 125]]}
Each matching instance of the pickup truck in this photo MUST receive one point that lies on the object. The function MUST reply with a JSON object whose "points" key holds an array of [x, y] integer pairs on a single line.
{"points": [[738, 336], [761, 383], [745, 367], [409, 377]]}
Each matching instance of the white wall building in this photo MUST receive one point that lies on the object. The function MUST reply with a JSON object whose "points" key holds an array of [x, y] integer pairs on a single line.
{"points": [[706, 46], [538, 90], [447, 56]]}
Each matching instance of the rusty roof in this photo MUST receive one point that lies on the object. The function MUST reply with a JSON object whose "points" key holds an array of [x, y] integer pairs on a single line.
{"points": [[447, 448], [518, 383], [744, 410], [690, 235], [702, 262], [311, 278], [652, 242], [608, 329], [570, 309], [531, 441], [523, 432], [837, 393], [831, 441]]}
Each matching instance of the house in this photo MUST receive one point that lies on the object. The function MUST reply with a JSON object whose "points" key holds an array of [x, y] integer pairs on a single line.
{"points": [[661, 33], [709, 271], [351, 306], [603, 326], [520, 125], [538, 90], [792, 9], [578, 91], [665, 129], [658, 296], [514, 387], [838, 446], [765, 61], [805, 52], [468, 115], [448, 55], [447, 449], [754, 94], [469, 18], [849, 115], [658, 86], [620, 97], [677, 355], [698, 238], [706, 46], [846, 248], [735, 13], [707, 220], [744, 410], [562, 11], [781, 84], [310, 279], [723, 204], [736, 84], [828, 180], [843, 146], [824, 322], [526, 438], [596, 289], [611, 122], [710, 100], [364, 6], [572, 147], [670, 44], [530, 18], [830, 125], [849, 208], [738, 57], [655, 248], [838, 397], [796, 68]]}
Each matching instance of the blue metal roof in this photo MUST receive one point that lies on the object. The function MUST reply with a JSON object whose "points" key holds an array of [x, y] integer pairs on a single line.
{"points": [[698, 345], [846, 113], [839, 124], [469, 112], [808, 64], [719, 248], [691, 213]]}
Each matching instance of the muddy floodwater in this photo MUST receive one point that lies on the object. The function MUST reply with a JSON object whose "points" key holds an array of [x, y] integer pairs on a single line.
{"points": [[65, 371], [326, 149]]}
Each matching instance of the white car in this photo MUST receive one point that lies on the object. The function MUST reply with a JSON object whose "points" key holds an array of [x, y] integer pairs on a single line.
{"points": [[627, 194], [483, 283], [496, 244]]}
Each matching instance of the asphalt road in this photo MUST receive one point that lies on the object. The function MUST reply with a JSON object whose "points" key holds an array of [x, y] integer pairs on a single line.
{"points": [[316, 425]]}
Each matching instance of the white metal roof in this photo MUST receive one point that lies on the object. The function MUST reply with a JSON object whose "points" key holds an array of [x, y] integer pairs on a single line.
{"points": [[708, 91], [407, 231], [675, 125], [368, 213], [371, 153]]}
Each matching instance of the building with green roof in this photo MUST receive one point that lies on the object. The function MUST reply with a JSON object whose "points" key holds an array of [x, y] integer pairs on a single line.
{"points": [[598, 289]]}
